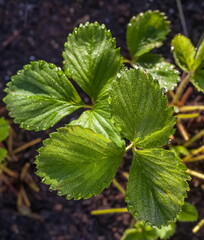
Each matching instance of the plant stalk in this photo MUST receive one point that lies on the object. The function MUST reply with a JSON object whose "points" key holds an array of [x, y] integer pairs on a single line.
{"points": [[108, 211], [194, 138], [181, 14], [119, 186], [195, 174], [181, 88]]}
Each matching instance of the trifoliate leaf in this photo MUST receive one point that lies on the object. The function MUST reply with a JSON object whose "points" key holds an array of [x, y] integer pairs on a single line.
{"points": [[40, 95], [156, 187], [197, 79], [140, 109], [91, 57], [4, 129], [183, 52], [140, 232], [146, 31], [166, 232], [189, 213], [3, 154], [160, 70], [199, 59], [78, 162]]}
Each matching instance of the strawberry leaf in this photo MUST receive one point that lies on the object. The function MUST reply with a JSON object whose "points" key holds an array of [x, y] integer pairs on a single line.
{"points": [[3, 154], [161, 70], [146, 31], [197, 79], [199, 59], [156, 187], [188, 214], [4, 129], [91, 57], [78, 162], [183, 52], [140, 109], [40, 95]]}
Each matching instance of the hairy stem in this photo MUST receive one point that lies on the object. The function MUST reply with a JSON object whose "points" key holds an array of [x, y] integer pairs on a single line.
{"points": [[198, 226], [194, 138], [188, 115], [195, 174], [181, 88], [108, 211], [191, 108], [119, 186]]}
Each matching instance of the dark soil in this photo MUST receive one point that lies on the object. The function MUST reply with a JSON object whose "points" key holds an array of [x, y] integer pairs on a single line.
{"points": [[33, 30]]}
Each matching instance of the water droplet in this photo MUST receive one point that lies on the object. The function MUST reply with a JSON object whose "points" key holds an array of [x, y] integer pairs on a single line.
{"points": [[119, 75], [32, 58], [172, 48], [164, 89]]}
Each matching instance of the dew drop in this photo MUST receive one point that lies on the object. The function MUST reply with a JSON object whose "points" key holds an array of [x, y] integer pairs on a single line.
{"points": [[119, 75]]}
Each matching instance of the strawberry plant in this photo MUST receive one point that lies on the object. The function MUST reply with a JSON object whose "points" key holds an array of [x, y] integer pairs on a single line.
{"points": [[128, 111]]}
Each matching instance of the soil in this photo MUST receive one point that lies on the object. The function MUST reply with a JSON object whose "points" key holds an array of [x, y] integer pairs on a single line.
{"points": [[33, 30]]}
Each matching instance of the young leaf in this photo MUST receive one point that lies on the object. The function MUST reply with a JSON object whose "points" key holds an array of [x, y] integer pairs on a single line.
{"points": [[166, 232], [199, 59], [140, 232], [4, 129], [3, 154], [183, 52], [91, 57], [146, 31], [161, 70], [140, 108], [78, 162], [40, 95], [188, 214], [197, 80], [156, 187]]}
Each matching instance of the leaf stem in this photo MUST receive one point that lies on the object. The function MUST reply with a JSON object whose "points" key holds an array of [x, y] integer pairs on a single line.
{"points": [[188, 115], [181, 88], [194, 138], [198, 226], [126, 175], [129, 146], [181, 14], [194, 159], [183, 131], [108, 211], [191, 108], [119, 186], [195, 174]]}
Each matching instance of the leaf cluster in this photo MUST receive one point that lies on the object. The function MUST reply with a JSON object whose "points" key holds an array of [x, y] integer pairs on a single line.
{"points": [[189, 59], [142, 232], [128, 105]]}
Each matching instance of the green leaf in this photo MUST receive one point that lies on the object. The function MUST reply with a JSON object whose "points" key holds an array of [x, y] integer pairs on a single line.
{"points": [[199, 59], [146, 31], [160, 70], [3, 154], [140, 109], [99, 122], [140, 232], [189, 213], [197, 79], [78, 162], [180, 150], [183, 52], [4, 129], [166, 232], [156, 187], [40, 95], [91, 57]]}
